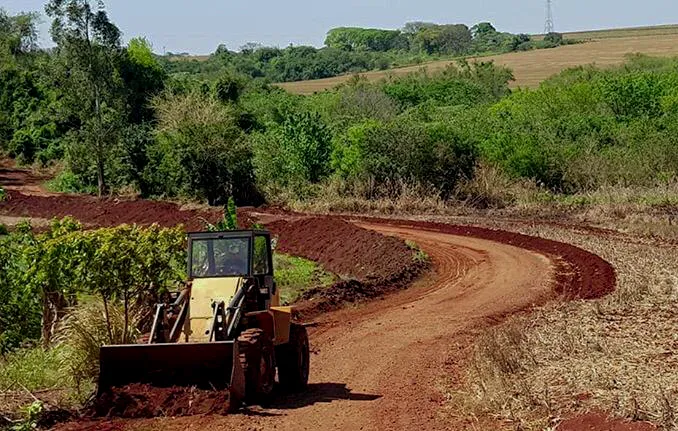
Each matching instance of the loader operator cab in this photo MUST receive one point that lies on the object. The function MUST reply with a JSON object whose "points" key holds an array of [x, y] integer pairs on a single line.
{"points": [[240, 255]]}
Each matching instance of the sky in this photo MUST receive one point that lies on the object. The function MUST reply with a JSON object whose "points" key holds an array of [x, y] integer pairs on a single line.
{"points": [[199, 26]]}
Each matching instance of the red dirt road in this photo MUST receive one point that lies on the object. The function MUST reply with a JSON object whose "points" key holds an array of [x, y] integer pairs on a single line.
{"points": [[379, 366]]}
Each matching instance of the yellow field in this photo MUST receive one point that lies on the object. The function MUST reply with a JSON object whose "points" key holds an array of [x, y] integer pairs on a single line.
{"points": [[605, 48]]}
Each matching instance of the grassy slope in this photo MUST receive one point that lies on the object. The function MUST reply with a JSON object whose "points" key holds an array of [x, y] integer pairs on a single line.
{"points": [[605, 48], [295, 275]]}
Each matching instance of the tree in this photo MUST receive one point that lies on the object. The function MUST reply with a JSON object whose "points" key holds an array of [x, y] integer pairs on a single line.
{"points": [[482, 29], [412, 28], [229, 88], [444, 39], [554, 38], [143, 78], [200, 151], [365, 39], [88, 48], [455, 39], [18, 33], [293, 154]]}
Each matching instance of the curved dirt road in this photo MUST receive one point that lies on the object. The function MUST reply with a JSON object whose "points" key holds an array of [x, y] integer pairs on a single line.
{"points": [[380, 366]]}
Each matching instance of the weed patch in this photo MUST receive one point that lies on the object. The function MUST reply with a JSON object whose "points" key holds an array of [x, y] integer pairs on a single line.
{"points": [[295, 275]]}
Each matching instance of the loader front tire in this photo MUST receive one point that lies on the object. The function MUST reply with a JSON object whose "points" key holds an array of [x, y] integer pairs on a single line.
{"points": [[258, 363], [293, 360]]}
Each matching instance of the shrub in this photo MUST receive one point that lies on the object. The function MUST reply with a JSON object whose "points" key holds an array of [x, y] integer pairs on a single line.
{"points": [[294, 154], [554, 39], [68, 182], [463, 84], [430, 155], [40, 278], [200, 151]]}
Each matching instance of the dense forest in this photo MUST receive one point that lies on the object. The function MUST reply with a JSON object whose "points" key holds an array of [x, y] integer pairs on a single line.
{"points": [[115, 118]]}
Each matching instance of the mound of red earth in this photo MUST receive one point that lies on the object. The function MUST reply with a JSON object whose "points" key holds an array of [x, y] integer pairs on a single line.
{"points": [[106, 212], [369, 263], [143, 401]]}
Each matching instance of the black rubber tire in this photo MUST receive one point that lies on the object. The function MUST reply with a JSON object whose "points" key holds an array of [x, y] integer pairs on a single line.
{"points": [[257, 358], [294, 360]]}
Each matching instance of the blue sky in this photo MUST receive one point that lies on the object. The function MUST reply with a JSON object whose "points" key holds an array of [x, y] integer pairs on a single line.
{"points": [[199, 26]]}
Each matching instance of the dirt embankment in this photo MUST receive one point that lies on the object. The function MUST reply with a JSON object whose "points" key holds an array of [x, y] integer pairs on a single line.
{"points": [[106, 212], [369, 263]]}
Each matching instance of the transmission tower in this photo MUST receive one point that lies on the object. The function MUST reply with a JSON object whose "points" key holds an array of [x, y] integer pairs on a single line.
{"points": [[548, 26]]}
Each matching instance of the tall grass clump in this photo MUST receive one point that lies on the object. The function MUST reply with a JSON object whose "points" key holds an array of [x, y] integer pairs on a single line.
{"points": [[86, 328]]}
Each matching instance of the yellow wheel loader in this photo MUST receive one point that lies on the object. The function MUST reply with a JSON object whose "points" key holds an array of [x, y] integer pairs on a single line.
{"points": [[225, 331]]}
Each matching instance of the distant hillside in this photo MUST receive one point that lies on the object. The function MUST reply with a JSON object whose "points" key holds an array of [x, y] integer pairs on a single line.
{"points": [[603, 47]]}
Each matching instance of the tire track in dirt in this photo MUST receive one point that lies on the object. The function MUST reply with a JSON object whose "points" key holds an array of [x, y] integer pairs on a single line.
{"points": [[378, 366]]}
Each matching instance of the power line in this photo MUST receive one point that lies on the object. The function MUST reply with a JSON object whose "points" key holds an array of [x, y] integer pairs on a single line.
{"points": [[548, 26]]}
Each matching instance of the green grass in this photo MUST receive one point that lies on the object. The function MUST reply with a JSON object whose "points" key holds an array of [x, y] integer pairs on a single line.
{"points": [[68, 182], [33, 369], [418, 255], [295, 275]]}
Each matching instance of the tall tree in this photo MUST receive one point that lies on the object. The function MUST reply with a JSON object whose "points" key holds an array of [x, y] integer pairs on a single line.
{"points": [[18, 33], [88, 49]]}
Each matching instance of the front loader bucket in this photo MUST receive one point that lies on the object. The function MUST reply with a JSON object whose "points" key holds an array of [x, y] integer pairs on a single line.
{"points": [[205, 365]]}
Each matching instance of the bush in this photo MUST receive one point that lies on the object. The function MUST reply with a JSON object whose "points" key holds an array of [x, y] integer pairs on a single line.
{"points": [[20, 310], [40, 279], [465, 84], [585, 128], [68, 182], [294, 154], [430, 155], [554, 39], [200, 151]]}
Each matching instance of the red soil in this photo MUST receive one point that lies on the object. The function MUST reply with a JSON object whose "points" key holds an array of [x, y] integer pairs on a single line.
{"points": [[143, 401], [376, 263], [369, 263], [106, 212], [344, 248], [582, 275], [13, 178], [601, 422]]}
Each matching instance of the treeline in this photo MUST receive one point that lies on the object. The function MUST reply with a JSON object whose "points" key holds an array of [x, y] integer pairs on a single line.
{"points": [[352, 50], [116, 122]]}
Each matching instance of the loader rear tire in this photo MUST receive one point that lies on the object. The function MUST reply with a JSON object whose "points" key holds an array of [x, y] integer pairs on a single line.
{"points": [[258, 363], [293, 360]]}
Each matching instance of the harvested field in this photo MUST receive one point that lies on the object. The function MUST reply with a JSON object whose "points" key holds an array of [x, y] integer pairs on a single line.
{"points": [[530, 67]]}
